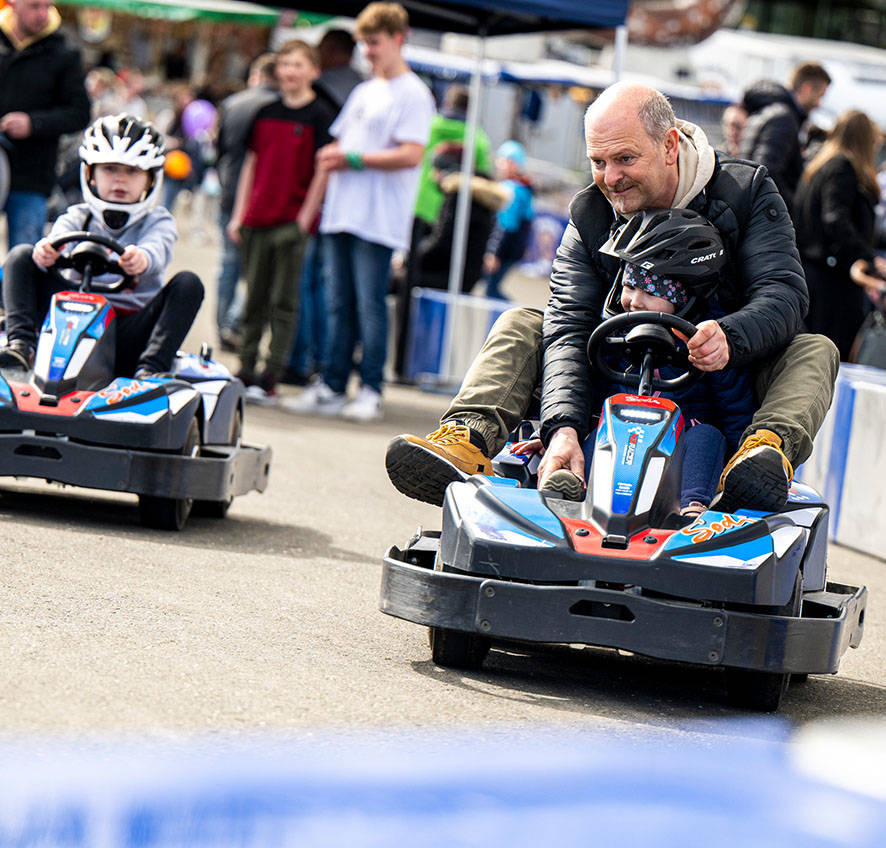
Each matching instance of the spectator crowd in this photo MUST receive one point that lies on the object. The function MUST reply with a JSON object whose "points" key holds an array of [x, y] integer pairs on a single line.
{"points": [[335, 191]]}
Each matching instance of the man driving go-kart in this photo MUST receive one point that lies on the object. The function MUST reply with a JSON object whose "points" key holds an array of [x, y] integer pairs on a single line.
{"points": [[121, 174], [644, 158]]}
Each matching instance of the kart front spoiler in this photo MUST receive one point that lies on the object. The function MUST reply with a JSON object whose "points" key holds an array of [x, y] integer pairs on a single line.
{"points": [[217, 474], [811, 643]]}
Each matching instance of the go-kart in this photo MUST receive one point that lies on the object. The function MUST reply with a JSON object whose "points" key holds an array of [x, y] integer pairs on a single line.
{"points": [[174, 441], [746, 591]]}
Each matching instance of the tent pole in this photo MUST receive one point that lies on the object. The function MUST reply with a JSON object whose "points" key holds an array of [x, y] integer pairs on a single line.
{"points": [[618, 55], [462, 213]]}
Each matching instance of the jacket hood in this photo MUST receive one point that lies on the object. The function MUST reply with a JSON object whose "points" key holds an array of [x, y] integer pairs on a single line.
{"points": [[764, 93], [695, 162], [7, 25], [485, 192]]}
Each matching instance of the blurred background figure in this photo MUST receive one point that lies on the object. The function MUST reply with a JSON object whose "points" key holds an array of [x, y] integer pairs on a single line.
{"points": [[509, 238], [834, 217], [732, 123], [776, 116], [105, 92], [337, 77], [236, 115]]}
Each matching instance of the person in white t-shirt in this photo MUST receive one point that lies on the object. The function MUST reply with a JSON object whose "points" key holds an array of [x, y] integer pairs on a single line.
{"points": [[373, 168]]}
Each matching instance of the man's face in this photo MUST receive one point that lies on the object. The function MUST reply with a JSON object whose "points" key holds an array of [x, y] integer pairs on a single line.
{"points": [[632, 170], [382, 50], [31, 16], [809, 95]]}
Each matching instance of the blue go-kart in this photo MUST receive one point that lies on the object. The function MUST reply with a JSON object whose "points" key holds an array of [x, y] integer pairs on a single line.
{"points": [[174, 441], [746, 591]]}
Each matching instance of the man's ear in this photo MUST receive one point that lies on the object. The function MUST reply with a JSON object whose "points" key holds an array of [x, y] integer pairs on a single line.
{"points": [[672, 146]]}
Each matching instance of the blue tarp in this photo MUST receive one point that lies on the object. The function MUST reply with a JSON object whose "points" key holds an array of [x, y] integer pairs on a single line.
{"points": [[488, 17]]}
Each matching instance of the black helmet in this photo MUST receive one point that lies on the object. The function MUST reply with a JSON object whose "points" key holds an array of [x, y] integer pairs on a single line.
{"points": [[676, 243]]}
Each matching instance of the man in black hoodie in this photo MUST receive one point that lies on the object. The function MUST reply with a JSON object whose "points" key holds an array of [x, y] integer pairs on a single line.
{"points": [[776, 115], [42, 97]]}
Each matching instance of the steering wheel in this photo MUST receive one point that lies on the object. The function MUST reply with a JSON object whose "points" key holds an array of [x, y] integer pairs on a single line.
{"points": [[649, 343], [89, 260]]}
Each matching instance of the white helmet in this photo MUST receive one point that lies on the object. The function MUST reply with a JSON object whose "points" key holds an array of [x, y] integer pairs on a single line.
{"points": [[123, 140]]}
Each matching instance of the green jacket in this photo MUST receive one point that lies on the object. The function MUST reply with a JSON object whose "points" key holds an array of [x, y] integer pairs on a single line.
{"points": [[430, 198]]}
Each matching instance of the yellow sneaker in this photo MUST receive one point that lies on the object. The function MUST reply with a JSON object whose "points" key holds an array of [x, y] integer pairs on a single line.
{"points": [[422, 468], [757, 477]]}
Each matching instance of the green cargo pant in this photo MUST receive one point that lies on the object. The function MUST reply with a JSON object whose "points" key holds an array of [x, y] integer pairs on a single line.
{"points": [[272, 260], [795, 389]]}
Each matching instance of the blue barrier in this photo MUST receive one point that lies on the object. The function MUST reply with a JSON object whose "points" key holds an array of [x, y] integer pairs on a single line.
{"points": [[740, 785]]}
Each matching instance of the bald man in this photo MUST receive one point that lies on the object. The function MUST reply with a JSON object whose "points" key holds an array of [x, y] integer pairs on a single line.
{"points": [[643, 157]]}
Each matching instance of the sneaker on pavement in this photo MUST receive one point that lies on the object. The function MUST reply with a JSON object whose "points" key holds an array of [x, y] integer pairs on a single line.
{"points": [[17, 354], [422, 468], [316, 399], [365, 407], [229, 340], [263, 391], [562, 483], [757, 477]]}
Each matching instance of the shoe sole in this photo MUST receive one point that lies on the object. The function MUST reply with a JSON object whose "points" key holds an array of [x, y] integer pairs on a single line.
{"points": [[761, 486], [420, 473], [566, 486]]}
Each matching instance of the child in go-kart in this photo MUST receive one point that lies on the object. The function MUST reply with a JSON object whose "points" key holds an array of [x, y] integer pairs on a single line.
{"points": [[672, 262], [121, 173]]}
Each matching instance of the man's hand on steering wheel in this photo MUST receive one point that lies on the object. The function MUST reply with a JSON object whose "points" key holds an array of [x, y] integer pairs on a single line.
{"points": [[708, 348], [563, 451]]}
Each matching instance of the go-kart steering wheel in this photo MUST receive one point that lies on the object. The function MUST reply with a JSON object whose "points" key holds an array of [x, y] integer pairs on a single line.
{"points": [[648, 343], [89, 261]]}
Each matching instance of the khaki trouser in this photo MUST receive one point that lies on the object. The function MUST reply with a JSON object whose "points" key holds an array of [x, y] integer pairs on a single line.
{"points": [[272, 260], [796, 387]]}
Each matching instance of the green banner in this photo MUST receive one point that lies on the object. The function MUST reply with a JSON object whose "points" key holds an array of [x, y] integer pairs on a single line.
{"points": [[224, 11]]}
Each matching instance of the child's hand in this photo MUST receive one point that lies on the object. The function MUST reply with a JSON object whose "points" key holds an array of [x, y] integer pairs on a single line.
{"points": [[490, 263], [134, 260], [529, 447], [44, 254]]}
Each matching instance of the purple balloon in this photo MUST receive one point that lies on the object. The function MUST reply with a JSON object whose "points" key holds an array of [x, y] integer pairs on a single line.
{"points": [[197, 117]]}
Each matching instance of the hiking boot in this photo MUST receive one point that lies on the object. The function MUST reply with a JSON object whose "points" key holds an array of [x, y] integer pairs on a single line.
{"points": [[316, 399], [423, 468], [757, 477], [17, 354], [365, 407], [562, 483]]}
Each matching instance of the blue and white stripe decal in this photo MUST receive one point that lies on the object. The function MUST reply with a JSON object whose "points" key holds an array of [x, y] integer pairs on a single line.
{"points": [[526, 502]]}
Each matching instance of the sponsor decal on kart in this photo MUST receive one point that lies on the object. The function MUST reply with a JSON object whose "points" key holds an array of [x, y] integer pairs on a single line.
{"points": [[118, 391], [704, 529]]}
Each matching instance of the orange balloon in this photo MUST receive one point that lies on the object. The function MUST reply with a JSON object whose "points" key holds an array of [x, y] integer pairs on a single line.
{"points": [[177, 165]]}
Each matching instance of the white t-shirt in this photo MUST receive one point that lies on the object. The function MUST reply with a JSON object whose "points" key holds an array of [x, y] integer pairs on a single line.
{"points": [[377, 205]]}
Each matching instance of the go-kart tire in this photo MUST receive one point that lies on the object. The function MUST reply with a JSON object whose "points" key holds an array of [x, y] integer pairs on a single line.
{"points": [[219, 509], [762, 690], [170, 513], [455, 649]]}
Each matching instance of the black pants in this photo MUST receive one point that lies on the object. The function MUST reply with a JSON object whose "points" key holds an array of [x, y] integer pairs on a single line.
{"points": [[147, 339]]}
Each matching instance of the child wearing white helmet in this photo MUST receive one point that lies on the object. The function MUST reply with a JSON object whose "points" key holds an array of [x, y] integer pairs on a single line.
{"points": [[121, 173]]}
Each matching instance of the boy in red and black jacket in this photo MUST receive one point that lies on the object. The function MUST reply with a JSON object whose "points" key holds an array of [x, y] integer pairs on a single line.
{"points": [[278, 199]]}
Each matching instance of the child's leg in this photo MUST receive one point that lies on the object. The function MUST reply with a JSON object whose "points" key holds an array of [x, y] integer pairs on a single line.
{"points": [[27, 290], [288, 249], [702, 464], [257, 269], [149, 339]]}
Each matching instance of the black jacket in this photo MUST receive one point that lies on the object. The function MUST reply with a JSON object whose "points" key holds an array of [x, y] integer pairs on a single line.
{"points": [[835, 227], [765, 297], [45, 80], [771, 136]]}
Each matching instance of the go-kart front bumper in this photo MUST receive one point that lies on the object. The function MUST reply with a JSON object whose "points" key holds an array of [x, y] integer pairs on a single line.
{"points": [[811, 643], [217, 474]]}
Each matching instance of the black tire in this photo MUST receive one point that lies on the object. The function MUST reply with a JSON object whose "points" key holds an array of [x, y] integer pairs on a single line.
{"points": [[219, 509], [170, 513], [762, 690], [455, 649]]}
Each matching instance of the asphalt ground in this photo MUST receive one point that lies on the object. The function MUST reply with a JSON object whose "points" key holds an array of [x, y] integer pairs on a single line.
{"points": [[268, 619]]}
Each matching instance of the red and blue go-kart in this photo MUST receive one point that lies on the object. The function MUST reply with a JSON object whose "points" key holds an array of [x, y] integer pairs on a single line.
{"points": [[746, 591], [175, 442]]}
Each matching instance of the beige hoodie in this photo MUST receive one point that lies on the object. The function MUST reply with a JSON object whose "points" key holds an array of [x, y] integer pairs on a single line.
{"points": [[695, 163]]}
